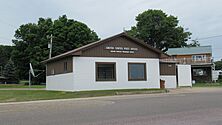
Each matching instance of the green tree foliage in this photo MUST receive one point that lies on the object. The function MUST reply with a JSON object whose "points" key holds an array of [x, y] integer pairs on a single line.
{"points": [[194, 43], [31, 41], [6, 52], [9, 70], [70, 34], [218, 65], [5, 55], [159, 30]]}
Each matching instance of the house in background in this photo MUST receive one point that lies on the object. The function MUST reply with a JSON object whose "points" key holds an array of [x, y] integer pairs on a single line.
{"points": [[200, 59], [216, 75]]}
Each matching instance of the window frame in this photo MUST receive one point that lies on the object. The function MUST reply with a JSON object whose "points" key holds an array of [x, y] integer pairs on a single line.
{"points": [[196, 73], [145, 72], [96, 72], [199, 57]]}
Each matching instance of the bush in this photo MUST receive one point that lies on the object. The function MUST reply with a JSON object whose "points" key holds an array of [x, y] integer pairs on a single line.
{"points": [[219, 79]]}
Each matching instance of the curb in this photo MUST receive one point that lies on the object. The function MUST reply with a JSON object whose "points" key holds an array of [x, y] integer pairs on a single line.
{"points": [[87, 98]]}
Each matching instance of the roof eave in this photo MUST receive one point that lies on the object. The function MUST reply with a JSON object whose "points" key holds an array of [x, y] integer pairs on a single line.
{"points": [[78, 51]]}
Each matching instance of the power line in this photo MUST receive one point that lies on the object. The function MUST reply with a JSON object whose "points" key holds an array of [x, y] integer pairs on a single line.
{"points": [[203, 38], [218, 48]]}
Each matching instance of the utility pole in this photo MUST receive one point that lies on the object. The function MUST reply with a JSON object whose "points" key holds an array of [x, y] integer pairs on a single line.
{"points": [[50, 47], [30, 78]]}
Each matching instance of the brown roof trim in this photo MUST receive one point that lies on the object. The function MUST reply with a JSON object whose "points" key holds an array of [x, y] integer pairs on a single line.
{"points": [[78, 51], [164, 55], [142, 43], [168, 62]]}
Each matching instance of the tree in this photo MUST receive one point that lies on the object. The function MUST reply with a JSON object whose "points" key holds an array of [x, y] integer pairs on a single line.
{"points": [[31, 41], [70, 34], [218, 65], [5, 55], [6, 52], [9, 70], [194, 43], [159, 30]]}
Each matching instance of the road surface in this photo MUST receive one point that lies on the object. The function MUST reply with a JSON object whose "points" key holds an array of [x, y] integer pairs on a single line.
{"points": [[201, 108]]}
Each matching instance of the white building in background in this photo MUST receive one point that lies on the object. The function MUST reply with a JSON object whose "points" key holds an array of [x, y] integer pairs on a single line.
{"points": [[118, 62], [216, 74]]}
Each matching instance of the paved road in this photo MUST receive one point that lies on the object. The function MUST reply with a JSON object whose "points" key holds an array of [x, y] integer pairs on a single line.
{"points": [[199, 108]]}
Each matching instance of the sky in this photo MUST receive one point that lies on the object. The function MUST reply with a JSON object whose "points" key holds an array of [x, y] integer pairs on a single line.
{"points": [[109, 17]]}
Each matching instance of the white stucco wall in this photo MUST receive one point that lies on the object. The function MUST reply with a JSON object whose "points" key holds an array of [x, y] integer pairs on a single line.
{"points": [[170, 81], [184, 75], [63, 82], [85, 79]]}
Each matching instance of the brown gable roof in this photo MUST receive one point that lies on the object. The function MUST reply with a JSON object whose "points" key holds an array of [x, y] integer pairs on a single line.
{"points": [[78, 51]]}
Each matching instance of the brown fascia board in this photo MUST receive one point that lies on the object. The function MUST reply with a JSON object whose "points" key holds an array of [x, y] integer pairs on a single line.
{"points": [[144, 44], [169, 62], [164, 56], [78, 51], [91, 45]]}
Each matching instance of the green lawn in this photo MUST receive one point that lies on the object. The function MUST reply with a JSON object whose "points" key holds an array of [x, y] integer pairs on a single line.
{"points": [[20, 86], [31, 95], [208, 84]]}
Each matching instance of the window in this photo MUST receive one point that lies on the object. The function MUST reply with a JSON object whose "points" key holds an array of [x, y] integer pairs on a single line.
{"points": [[105, 71], [65, 67], [199, 57], [199, 72], [137, 71]]}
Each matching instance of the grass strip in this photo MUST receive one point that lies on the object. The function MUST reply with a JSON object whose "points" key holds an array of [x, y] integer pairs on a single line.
{"points": [[207, 85], [32, 95], [5, 86]]}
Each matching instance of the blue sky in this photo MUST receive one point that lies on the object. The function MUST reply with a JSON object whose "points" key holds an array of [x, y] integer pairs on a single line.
{"points": [[202, 17]]}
